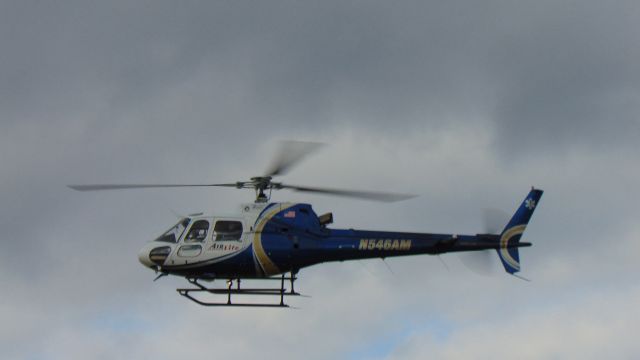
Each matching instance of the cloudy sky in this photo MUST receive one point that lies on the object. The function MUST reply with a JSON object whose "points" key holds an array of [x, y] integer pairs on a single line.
{"points": [[467, 103]]}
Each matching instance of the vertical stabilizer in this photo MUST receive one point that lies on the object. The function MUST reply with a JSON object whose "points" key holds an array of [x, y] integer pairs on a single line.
{"points": [[510, 237]]}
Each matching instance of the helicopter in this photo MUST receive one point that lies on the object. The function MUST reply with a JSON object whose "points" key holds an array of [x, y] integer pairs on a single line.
{"points": [[267, 240]]}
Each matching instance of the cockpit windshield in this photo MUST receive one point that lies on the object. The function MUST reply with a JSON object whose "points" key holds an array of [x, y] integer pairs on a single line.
{"points": [[172, 235]]}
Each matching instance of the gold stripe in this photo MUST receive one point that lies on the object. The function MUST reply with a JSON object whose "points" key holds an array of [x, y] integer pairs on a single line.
{"points": [[504, 241], [265, 262]]}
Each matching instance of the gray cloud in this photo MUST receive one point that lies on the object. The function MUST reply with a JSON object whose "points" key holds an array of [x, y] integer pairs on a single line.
{"points": [[466, 103]]}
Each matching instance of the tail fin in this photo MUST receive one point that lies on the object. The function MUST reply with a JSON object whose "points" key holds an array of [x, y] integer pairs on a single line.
{"points": [[510, 237]]}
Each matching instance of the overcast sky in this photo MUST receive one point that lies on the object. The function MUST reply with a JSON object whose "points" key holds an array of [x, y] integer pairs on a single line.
{"points": [[467, 103]]}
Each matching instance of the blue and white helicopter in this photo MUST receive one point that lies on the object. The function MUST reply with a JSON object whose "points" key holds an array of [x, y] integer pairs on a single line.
{"points": [[268, 240]]}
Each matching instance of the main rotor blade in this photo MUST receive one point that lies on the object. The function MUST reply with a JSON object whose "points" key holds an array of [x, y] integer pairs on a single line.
{"points": [[367, 195], [99, 187], [289, 153]]}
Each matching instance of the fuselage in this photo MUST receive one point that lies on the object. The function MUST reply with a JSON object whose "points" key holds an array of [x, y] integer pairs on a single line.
{"points": [[263, 240]]}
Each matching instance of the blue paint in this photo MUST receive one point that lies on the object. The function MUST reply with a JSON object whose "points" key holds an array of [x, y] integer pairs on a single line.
{"points": [[292, 238], [512, 233]]}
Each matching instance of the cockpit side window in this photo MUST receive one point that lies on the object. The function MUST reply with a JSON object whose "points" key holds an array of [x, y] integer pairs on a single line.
{"points": [[198, 231], [228, 230], [172, 235]]}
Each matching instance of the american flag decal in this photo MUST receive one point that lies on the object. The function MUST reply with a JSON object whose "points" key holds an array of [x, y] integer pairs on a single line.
{"points": [[290, 214]]}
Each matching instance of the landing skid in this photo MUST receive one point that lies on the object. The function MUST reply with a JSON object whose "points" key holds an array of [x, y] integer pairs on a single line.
{"points": [[280, 292]]}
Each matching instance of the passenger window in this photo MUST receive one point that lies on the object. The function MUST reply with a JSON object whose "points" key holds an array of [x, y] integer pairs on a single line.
{"points": [[198, 231], [228, 230]]}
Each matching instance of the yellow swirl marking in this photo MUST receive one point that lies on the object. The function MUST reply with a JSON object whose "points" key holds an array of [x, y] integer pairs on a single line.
{"points": [[504, 242], [265, 262]]}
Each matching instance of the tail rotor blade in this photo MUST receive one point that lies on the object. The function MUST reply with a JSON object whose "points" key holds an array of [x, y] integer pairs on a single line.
{"points": [[480, 262], [494, 220]]}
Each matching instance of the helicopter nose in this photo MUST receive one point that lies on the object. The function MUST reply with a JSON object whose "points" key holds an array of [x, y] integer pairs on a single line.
{"points": [[154, 255], [143, 256]]}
